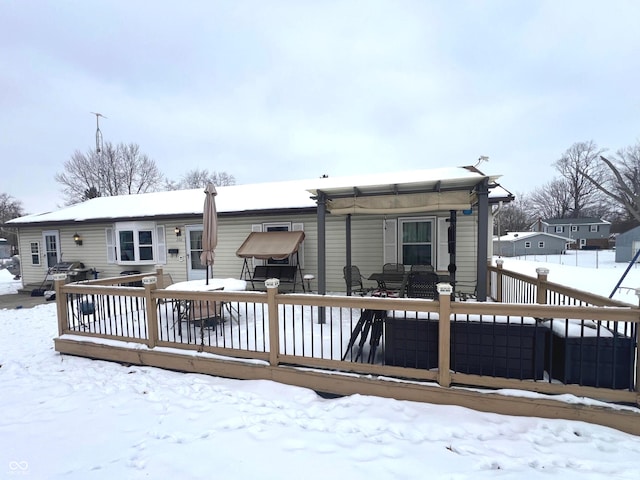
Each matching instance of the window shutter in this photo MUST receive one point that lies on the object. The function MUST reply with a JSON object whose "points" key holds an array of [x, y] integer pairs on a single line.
{"points": [[390, 241], [161, 248], [442, 252], [111, 245], [299, 227]]}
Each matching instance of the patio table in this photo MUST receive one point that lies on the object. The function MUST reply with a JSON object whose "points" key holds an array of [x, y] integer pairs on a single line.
{"points": [[391, 281], [200, 310]]}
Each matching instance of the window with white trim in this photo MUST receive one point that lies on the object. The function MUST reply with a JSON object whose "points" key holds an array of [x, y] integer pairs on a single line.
{"points": [[559, 229], [136, 243], [416, 241], [278, 227], [540, 244], [35, 253], [527, 244], [574, 228], [593, 228], [296, 258]]}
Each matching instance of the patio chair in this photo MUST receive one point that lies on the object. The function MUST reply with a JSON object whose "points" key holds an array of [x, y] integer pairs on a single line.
{"points": [[421, 268], [423, 285], [353, 279], [393, 268]]}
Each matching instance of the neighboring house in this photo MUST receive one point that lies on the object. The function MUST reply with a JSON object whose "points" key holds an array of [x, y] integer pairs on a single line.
{"points": [[404, 217], [587, 232], [517, 244], [5, 249], [627, 245]]}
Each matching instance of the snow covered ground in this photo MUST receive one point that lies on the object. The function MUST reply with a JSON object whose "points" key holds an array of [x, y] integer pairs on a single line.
{"points": [[74, 418]]}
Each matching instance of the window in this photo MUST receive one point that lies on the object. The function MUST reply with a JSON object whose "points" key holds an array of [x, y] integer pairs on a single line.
{"points": [[593, 228], [574, 228], [416, 237], [277, 227], [136, 243], [559, 229], [527, 244], [294, 259], [35, 253], [540, 244]]}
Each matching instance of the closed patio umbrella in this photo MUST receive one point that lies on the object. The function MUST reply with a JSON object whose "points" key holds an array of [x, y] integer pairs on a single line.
{"points": [[210, 228]]}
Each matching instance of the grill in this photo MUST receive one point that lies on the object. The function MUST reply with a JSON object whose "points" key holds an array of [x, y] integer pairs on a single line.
{"points": [[74, 270]]}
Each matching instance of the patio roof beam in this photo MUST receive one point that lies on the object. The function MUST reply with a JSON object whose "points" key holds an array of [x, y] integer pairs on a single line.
{"points": [[360, 193]]}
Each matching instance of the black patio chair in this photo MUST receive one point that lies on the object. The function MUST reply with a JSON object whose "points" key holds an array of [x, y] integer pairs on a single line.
{"points": [[353, 279], [421, 268], [423, 285], [393, 268]]}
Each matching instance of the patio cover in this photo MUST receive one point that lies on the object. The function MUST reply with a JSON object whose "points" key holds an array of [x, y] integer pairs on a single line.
{"points": [[402, 192], [265, 245], [401, 204]]}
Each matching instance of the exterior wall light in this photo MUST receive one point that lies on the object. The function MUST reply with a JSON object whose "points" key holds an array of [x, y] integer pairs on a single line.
{"points": [[77, 238], [178, 232]]}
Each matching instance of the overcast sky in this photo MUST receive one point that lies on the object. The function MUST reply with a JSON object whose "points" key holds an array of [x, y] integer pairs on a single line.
{"points": [[277, 90]]}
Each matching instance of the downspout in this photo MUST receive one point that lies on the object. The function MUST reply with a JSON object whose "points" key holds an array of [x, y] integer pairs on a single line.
{"points": [[348, 249], [496, 215], [482, 191], [322, 251], [452, 239]]}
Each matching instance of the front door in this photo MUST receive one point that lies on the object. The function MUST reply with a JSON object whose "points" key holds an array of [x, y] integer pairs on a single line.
{"points": [[195, 269]]}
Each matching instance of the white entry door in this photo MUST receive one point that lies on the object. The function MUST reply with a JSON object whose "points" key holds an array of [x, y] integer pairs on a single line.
{"points": [[195, 269], [51, 240]]}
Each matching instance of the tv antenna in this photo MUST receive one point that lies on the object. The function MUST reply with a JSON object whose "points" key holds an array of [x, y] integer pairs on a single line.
{"points": [[98, 132], [483, 158]]}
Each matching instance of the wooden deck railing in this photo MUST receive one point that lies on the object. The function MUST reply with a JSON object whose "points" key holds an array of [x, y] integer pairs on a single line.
{"points": [[512, 287], [346, 344]]}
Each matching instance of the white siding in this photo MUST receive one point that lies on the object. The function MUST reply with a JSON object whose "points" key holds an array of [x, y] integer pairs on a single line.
{"points": [[367, 247]]}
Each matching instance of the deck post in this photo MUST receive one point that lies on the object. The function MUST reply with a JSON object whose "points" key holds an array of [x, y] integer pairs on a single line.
{"points": [[274, 330], [59, 279], [444, 334], [499, 264], [541, 294], [150, 284], [160, 278]]}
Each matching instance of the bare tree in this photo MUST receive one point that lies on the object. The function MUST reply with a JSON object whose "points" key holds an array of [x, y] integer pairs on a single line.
{"points": [[116, 170], [199, 179], [552, 200], [9, 208], [619, 179], [580, 158], [514, 216]]}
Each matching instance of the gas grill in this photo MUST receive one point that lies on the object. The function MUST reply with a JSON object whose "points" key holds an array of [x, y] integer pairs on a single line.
{"points": [[75, 271]]}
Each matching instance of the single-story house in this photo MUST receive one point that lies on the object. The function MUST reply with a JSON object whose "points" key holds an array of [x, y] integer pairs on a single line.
{"points": [[586, 232], [516, 244], [627, 245], [441, 217]]}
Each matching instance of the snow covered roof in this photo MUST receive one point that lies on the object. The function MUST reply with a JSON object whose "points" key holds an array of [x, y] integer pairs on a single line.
{"points": [[575, 221], [515, 236], [245, 198]]}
